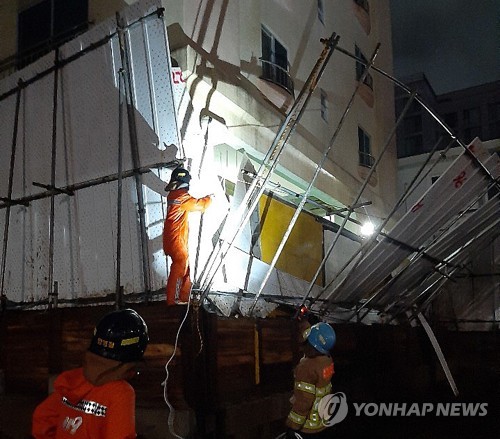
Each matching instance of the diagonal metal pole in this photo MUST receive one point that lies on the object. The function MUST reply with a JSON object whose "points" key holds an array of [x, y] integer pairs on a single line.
{"points": [[127, 66], [200, 226], [421, 253], [270, 161], [10, 186], [53, 175], [409, 190], [334, 137], [444, 277], [305, 195], [378, 231], [118, 287], [439, 352]]}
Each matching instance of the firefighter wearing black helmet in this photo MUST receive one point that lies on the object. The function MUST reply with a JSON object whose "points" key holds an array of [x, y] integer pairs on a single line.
{"points": [[96, 401], [176, 232]]}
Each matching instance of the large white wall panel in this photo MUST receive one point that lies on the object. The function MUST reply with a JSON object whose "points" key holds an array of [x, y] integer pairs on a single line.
{"points": [[86, 149]]}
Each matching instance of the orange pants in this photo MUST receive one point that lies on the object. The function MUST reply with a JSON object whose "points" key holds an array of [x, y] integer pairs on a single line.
{"points": [[179, 282]]}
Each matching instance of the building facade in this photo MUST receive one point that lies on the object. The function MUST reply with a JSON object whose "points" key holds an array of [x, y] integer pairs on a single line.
{"points": [[468, 113], [245, 63]]}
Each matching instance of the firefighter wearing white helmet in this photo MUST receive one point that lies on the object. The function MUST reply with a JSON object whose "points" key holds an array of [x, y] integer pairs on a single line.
{"points": [[312, 382]]}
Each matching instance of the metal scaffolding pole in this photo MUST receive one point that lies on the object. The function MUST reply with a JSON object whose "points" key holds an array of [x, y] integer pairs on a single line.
{"points": [[126, 65], [421, 253], [270, 161], [118, 288], [86, 184], [10, 186], [53, 175], [305, 195], [351, 208]]}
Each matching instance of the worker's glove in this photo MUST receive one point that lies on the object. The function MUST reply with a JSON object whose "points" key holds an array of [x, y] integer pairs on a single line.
{"points": [[292, 434]]}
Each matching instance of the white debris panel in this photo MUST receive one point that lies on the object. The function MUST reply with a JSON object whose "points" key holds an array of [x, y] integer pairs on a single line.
{"points": [[431, 243], [69, 125]]}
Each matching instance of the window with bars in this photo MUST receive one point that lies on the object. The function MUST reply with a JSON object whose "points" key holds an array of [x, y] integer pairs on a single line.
{"points": [[364, 144], [275, 61], [360, 68]]}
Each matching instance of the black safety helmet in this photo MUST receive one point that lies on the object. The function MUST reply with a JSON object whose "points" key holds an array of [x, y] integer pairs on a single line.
{"points": [[121, 336], [181, 175]]}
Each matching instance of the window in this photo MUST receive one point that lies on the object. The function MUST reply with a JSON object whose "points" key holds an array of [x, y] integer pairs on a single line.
{"points": [[275, 61], [365, 156], [48, 24], [324, 105], [472, 123], [360, 68], [321, 11]]}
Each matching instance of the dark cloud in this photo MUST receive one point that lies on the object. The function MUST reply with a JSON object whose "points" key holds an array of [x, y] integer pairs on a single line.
{"points": [[456, 43]]}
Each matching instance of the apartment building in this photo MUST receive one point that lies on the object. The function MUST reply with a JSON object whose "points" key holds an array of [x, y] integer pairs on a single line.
{"points": [[246, 62]]}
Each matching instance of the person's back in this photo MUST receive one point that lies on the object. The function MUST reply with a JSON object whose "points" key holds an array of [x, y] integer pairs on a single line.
{"points": [[311, 384], [96, 401], [175, 234]]}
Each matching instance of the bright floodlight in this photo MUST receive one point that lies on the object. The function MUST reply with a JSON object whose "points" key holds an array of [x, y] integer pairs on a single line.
{"points": [[367, 229]]}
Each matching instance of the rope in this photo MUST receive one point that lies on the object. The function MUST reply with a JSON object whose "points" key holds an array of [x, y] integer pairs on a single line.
{"points": [[171, 414]]}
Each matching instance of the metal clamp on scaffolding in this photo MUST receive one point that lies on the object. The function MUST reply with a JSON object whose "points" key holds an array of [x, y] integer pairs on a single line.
{"points": [[13, 202], [54, 189]]}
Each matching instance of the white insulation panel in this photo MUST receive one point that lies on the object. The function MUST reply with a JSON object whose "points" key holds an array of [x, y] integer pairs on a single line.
{"points": [[83, 141]]}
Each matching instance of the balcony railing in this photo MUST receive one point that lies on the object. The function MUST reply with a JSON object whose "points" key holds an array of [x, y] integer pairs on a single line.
{"points": [[366, 159], [277, 75]]}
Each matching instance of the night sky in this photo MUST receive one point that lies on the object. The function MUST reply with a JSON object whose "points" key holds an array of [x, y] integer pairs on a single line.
{"points": [[456, 43]]}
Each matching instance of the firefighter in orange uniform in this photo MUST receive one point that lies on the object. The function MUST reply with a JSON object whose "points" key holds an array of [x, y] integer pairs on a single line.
{"points": [[175, 234], [312, 382], [96, 401]]}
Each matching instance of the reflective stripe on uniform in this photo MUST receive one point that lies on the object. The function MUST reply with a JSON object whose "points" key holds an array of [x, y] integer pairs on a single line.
{"points": [[311, 388], [296, 418], [322, 391], [313, 425], [305, 387]]}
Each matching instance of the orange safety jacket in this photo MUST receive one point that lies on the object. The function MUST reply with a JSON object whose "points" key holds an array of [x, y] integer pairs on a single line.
{"points": [[79, 409], [175, 230]]}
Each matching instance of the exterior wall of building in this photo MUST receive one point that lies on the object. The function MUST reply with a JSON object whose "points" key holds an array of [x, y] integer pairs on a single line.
{"points": [[469, 113], [219, 50], [9, 13], [218, 45]]}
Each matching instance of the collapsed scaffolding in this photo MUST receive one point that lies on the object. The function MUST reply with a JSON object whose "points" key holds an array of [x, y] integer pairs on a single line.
{"points": [[389, 276]]}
